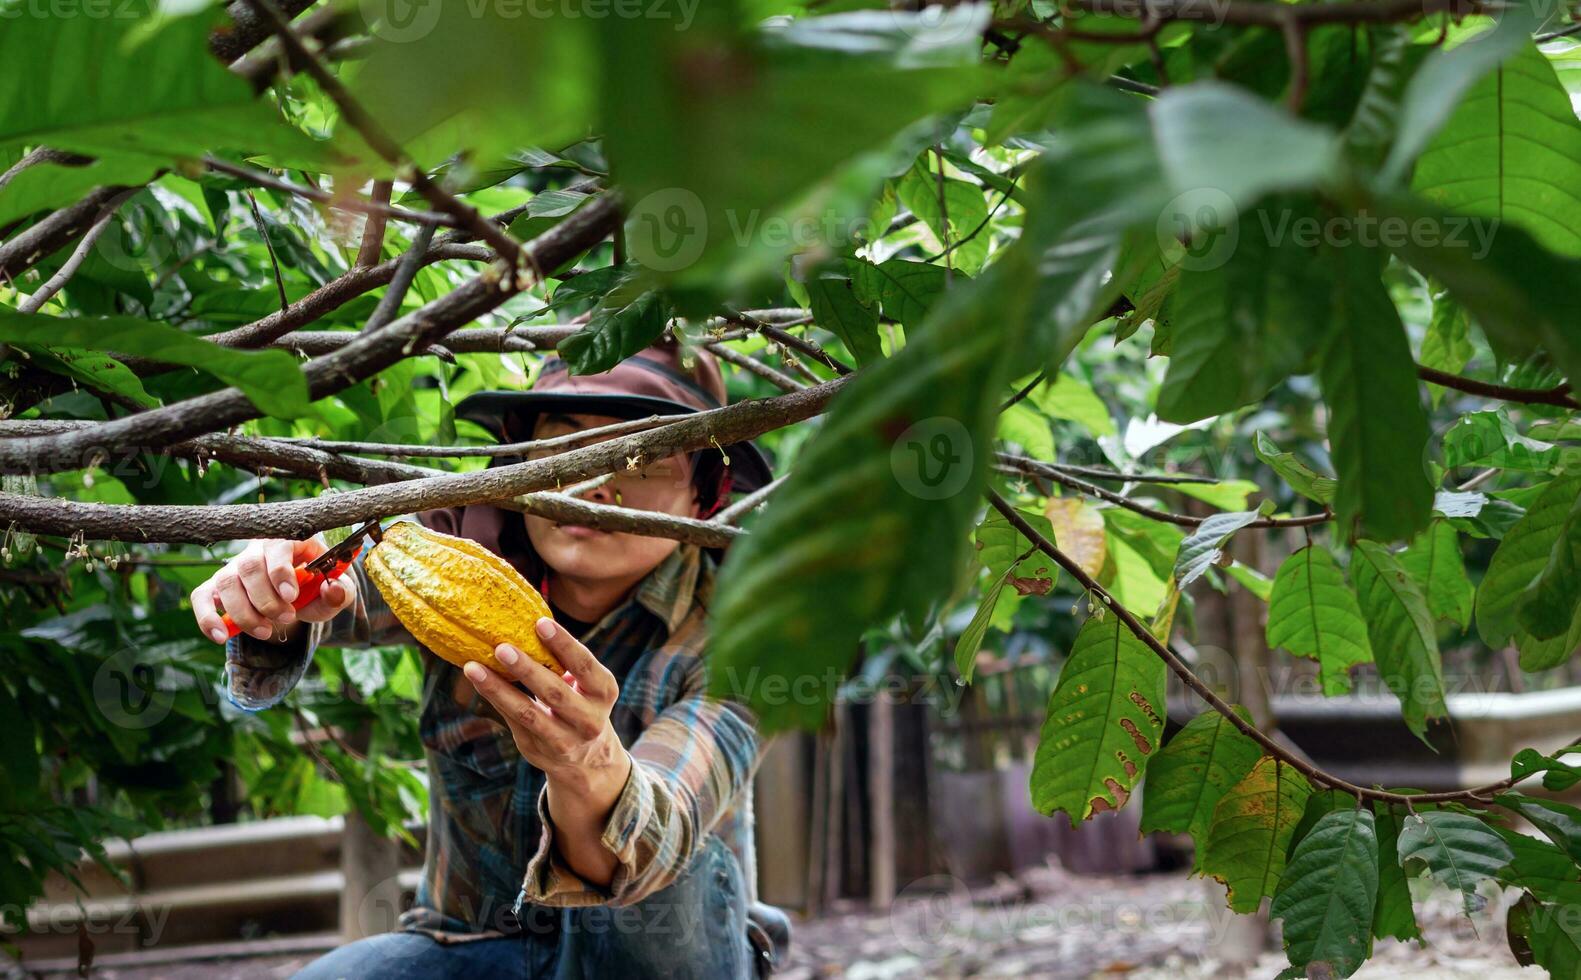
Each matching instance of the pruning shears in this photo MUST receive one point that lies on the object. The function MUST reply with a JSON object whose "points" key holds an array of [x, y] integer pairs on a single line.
{"points": [[311, 576]]}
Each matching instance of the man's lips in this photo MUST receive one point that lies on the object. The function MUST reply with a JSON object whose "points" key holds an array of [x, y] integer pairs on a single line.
{"points": [[580, 531]]}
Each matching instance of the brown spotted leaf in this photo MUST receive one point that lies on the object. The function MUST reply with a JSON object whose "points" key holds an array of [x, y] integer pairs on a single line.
{"points": [[1105, 720], [1251, 829]]}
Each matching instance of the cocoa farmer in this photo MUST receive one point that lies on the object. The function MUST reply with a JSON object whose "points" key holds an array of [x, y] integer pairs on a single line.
{"points": [[594, 824]]}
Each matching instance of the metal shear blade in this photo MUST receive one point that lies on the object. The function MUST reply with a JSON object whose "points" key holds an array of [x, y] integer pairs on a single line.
{"points": [[346, 550]]}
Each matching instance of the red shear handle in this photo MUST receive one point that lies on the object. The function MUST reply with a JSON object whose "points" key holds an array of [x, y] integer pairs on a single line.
{"points": [[308, 585]]}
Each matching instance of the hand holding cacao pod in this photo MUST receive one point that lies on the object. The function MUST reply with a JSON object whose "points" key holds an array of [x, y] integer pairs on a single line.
{"points": [[456, 597]]}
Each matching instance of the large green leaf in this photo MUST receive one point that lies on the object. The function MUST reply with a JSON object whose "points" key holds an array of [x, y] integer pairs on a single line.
{"points": [[1394, 917], [136, 83], [1251, 831], [270, 378], [874, 519], [50, 185], [1400, 628], [1511, 151], [953, 209], [1195, 769], [1559, 822], [905, 289], [1455, 849], [1520, 559], [1444, 78], [836, 307], [1558, 774], [1551, 602], [1542, 868], [1105, 719], [1313, 613], [1204, 546], [1243, 325], [1368, 374], [1327, 894], [1434, 561]]}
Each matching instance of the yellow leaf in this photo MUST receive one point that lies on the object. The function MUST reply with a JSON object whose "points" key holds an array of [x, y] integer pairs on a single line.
{"points": [[1079, 532]]}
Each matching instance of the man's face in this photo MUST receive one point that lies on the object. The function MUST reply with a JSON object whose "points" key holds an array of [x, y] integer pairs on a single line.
{"points": [[664, 486]]}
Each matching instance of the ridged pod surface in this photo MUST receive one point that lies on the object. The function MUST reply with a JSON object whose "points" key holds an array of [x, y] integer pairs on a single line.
{"points": [[456, 597]]}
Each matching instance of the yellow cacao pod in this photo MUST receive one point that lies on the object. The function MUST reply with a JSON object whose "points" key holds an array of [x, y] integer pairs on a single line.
{"points": [[457, 598]]}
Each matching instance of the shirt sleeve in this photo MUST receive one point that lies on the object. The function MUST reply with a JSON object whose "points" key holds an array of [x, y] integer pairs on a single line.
{"points": [[688, 768], [260, 673]]}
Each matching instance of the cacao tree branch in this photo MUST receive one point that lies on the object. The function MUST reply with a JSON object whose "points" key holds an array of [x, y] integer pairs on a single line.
{"points": [[297, 519], [1558, 395], [379, 206], [1271, 746], [360, 359]]}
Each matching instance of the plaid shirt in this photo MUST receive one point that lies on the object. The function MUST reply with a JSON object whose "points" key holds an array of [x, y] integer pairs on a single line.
{"points": [[491, 864]]}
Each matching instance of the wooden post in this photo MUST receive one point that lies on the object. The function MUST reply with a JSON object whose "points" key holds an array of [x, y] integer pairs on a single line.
{"points": [[881, 797]]}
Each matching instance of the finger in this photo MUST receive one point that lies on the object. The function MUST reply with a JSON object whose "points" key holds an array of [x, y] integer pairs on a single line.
{"points": [[524, 715], [278, 559], [571, 708], [334, 596], [240, 608], [593, 679], [208, 617], [252, 569]]}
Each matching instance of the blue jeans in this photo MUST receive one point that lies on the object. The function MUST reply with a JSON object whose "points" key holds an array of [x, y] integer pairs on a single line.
{"points": [[696, 927]]}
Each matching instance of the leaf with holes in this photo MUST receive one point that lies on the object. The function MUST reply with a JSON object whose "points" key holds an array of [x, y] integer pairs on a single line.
{"points": [[1327, 894], [1434, 561], [1251, 830], [1454, 849], [1193, 772], [1105, 719], [1313, 613]]}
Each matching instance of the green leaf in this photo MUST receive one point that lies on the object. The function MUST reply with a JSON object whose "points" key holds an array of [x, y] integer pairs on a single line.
{"points": [[1203, 546], [1544, 935], [45, 186], [889, 482], [1394, 916], [1438, 86], [835, 307], [1367, 374], [972, 637], [1001, 548], [1105, 718], [1447, 344], [1400, 629], [1455, 849], [1251, 830], [1376, 120], [1559, 822], [1027, 427], [270, 378], [1511, 151], [190, 106], [1244, 324], [906, 290], [953, 222], [1327, 893], [1434, 561], [1313, 613], [1302, 478], [1490, 439], [626, 321], [544, 210], [1251, 580], [1520, 559], [1195, 769], [1548, 605], [1558, 774], [1541, 867], [100, 372], [1066, 396]]}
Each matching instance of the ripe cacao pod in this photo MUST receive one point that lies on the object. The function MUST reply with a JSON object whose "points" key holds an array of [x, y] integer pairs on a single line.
{"points": [[456, 597]]}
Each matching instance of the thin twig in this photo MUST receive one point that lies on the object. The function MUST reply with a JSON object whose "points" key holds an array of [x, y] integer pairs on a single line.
{"points": [[274, 262], [62, 276], [372, 247], [377, 208], [748, 363], [1557, 395], [390, 302], [752, 501]]}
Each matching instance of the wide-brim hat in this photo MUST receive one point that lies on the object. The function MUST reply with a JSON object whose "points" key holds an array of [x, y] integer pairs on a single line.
{"points": [[651, 382]]}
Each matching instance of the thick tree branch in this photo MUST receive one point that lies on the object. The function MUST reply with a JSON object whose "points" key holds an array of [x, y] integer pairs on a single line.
{"points": [[362, 358], [296, 519]]}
